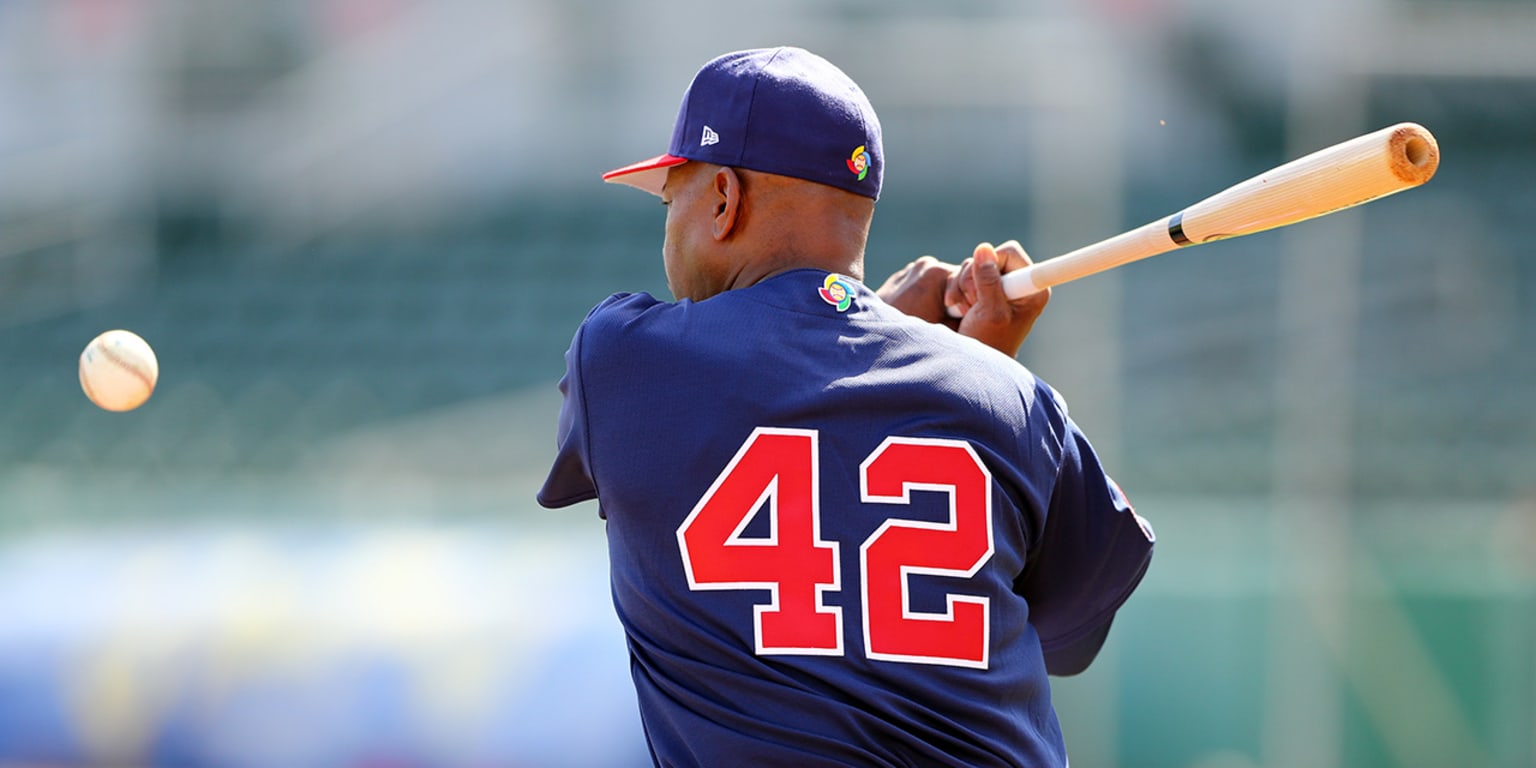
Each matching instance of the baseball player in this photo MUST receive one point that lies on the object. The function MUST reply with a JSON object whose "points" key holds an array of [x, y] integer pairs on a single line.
{"points": [[841, 532]]}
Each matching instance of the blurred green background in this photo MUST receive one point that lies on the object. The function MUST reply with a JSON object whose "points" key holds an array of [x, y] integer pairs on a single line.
{"points": [[359, 234]]}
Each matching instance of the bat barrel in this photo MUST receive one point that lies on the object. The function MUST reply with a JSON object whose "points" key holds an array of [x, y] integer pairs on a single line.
{"points": [[1356, 171], [1349, 173], [1414, 153]]}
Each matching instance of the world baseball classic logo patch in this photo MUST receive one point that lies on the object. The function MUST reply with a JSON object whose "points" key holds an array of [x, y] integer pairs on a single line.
{"points": [[837, 291], [858, 162]]}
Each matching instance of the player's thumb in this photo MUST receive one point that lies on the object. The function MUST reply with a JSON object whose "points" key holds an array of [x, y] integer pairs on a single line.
{"points": [[988, 274]]}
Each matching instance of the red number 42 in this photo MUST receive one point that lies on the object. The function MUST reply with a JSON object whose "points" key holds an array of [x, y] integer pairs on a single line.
{"points": [[778, 467]]}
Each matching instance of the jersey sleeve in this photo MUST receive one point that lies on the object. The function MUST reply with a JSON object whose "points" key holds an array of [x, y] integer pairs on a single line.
{"points": [[588, 363], [1091, 555], [570, 480], [570, 477]]}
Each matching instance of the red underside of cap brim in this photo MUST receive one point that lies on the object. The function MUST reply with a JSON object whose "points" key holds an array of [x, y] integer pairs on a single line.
{"points": [[648, 175]]}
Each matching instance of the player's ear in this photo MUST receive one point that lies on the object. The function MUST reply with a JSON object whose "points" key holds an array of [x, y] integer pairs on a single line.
{"points": [[726, 194]]}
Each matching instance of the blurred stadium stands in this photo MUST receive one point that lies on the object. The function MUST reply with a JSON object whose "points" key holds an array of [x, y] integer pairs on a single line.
{"points": [[360, 232]]}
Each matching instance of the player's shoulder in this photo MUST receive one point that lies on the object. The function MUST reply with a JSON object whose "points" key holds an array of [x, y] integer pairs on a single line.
{"points": [[979, 372], [970, 360], [631, 327], [619, 306], [619, 313], [1050, 395]]}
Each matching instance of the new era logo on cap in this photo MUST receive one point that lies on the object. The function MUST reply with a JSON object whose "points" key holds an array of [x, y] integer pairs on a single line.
{"points": [[784, 111]]}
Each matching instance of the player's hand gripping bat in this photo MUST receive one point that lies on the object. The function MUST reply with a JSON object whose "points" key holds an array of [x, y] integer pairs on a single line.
{"points": [[1347, 174]]}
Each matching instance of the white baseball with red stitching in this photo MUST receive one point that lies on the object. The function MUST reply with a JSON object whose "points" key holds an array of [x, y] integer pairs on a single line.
{"points": [[118, 370]]}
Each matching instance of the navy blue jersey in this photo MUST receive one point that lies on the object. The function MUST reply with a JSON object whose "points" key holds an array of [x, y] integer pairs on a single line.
{"points": [[838, 535]]}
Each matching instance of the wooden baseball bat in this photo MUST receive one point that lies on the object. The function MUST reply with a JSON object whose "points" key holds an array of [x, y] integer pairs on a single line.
{"points": [[1344, 175]]}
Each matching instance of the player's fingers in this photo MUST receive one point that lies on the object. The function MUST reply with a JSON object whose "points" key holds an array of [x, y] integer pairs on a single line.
{"points": [[960, 294], [1011, 255], [932, 272], [969, 275], [987, 277], [904, 273]]}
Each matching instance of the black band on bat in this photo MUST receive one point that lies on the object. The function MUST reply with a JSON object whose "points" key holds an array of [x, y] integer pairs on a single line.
{"points": [[1176, 229]]}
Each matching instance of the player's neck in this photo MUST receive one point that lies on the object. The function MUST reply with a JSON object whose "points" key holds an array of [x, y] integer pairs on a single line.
{"points": [[831, 245], [844, 262]]}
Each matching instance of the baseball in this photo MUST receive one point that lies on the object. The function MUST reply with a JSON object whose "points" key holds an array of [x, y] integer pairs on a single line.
{"points": [[118, 370]]}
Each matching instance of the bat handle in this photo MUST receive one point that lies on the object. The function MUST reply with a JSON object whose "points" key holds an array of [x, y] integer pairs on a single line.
{"points": [[1023, 282]]}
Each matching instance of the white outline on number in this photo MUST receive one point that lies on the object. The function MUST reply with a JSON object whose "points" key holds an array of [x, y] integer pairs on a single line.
{"points": [[770, 494], [907, 571]]}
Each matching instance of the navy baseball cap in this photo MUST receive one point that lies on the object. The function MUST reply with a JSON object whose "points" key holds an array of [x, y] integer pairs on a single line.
{"points": [[781, 110]]}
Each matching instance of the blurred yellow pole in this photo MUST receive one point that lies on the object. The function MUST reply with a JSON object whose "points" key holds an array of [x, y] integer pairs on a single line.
{"points": [[1320, 617], [1318, 298], [1077, 180]]}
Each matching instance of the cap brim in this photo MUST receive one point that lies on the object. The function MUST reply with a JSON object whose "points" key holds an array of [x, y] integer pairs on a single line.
{"points": [[648, 175]]}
